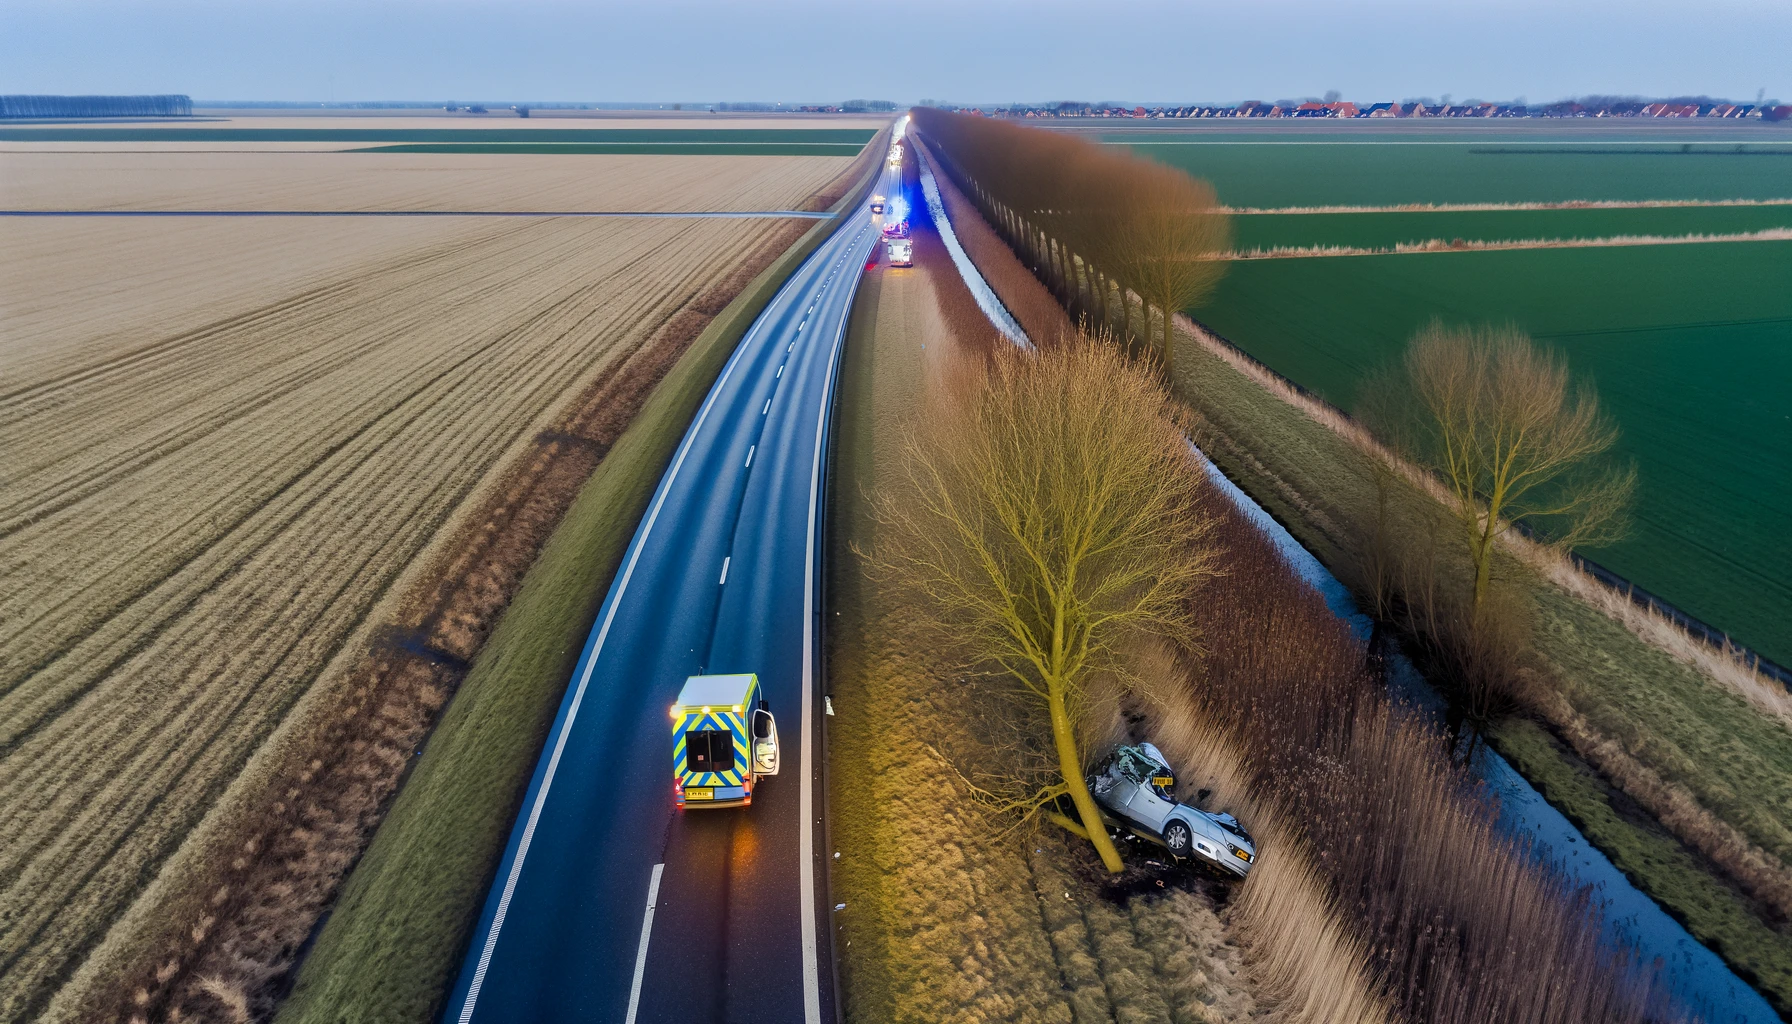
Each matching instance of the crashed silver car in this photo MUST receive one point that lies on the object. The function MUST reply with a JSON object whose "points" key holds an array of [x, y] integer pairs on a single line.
{"points": [[1135, 788]]}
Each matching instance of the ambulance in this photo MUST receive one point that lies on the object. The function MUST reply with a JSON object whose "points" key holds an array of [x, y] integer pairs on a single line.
{"points": [[724, 741]]}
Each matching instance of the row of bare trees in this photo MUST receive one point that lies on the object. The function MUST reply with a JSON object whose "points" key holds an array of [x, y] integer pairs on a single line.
{"points": [[1107, 231]]}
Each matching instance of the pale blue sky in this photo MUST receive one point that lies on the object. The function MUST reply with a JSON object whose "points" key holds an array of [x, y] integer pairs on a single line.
{"points": [[961, 50]]}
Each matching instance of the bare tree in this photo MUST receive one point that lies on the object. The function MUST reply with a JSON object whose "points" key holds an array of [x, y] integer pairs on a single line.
{"points": [[1497, 419], [1046, 521], [1167, 238], [1134, 226]]}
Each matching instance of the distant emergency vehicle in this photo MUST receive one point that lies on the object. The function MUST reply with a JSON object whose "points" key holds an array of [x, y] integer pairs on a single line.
{"points": [[724, 741]]}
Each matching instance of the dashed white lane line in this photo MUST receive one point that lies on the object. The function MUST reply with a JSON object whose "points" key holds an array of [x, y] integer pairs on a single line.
{"points": [[750, 449], [725, 561], [791, 347], [634, 990], [780, 372], [768, 407]]}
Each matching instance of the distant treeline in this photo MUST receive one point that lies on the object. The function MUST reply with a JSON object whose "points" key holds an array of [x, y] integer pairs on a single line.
{"points": [[96, 106]]}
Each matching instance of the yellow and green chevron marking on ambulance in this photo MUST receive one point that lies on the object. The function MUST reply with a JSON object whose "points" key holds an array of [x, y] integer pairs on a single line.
{"points": [[711, 747]]}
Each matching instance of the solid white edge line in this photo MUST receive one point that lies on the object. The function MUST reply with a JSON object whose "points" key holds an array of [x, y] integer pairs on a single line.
{"points": [[806, 840], [653, 896], [516, 867], [725, 560]]}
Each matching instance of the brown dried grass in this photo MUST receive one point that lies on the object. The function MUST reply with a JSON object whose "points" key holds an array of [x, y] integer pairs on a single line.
{"points": [[1284, 252]]}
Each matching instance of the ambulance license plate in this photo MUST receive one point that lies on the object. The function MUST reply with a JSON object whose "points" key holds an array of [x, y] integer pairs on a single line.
{"points": [[700, 793]]}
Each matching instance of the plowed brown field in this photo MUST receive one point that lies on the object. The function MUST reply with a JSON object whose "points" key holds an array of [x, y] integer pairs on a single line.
{"points": [[223, 444]]}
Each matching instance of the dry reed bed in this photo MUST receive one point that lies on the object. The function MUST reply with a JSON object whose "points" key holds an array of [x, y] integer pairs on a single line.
{"points": [[1479, 245], [1573, 204], [198, 524], [1459, 922]]}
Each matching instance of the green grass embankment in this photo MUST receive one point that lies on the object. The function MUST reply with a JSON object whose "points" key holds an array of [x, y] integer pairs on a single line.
{"points": [[1697, 374], [395, 939], [1650, 856], [1736, 761]]}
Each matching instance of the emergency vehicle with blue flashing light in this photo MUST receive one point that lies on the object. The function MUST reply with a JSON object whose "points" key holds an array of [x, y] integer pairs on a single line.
{"points": [[724, 741]]}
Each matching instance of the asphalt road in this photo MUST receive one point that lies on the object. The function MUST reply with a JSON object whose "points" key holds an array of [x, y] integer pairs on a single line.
{"points": [[610, 904]]}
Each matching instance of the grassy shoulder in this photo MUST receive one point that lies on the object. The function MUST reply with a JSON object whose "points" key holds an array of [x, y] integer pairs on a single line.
{"points": [[944, 919], [1651, 857], [1735, 761], [395, 938]]}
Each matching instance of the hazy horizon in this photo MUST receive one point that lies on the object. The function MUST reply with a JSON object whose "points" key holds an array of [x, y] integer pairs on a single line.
{"points": [[808, 51]]}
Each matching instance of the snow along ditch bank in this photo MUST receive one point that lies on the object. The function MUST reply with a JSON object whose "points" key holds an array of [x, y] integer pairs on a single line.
{"points": [[980, 290], [1699, 977]]}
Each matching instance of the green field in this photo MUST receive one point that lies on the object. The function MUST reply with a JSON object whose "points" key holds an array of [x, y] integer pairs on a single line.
{"points": [[1690, 347], [855, 138], [1385, 230], [1390, 172]]}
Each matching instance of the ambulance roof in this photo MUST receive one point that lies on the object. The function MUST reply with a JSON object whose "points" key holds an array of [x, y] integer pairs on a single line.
{"points": [[714, 691]]}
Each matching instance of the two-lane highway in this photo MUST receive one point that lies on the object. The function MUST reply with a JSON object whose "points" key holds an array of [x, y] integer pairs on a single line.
{"points": [[610, 904]]}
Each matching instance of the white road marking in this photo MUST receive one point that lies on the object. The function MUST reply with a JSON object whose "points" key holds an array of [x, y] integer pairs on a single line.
{"points": [[806, 839], [572, 711], [750, 450], [768, 407], [791, 347], [724, 578], [653, 896], [780, 372]]}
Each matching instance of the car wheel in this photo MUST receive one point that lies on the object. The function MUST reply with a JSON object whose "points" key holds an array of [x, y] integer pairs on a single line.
{"points": [[1178, 838]]}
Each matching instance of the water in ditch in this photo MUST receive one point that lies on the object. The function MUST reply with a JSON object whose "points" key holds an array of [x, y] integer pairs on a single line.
{"points": [[1697, 975]]}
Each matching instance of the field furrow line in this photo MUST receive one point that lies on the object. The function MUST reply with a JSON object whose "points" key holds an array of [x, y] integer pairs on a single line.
{"points": [[165, 542]]}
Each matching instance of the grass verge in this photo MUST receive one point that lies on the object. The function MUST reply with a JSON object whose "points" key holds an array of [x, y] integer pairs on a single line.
{"points": [[395, 938], [1651, 857]]}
